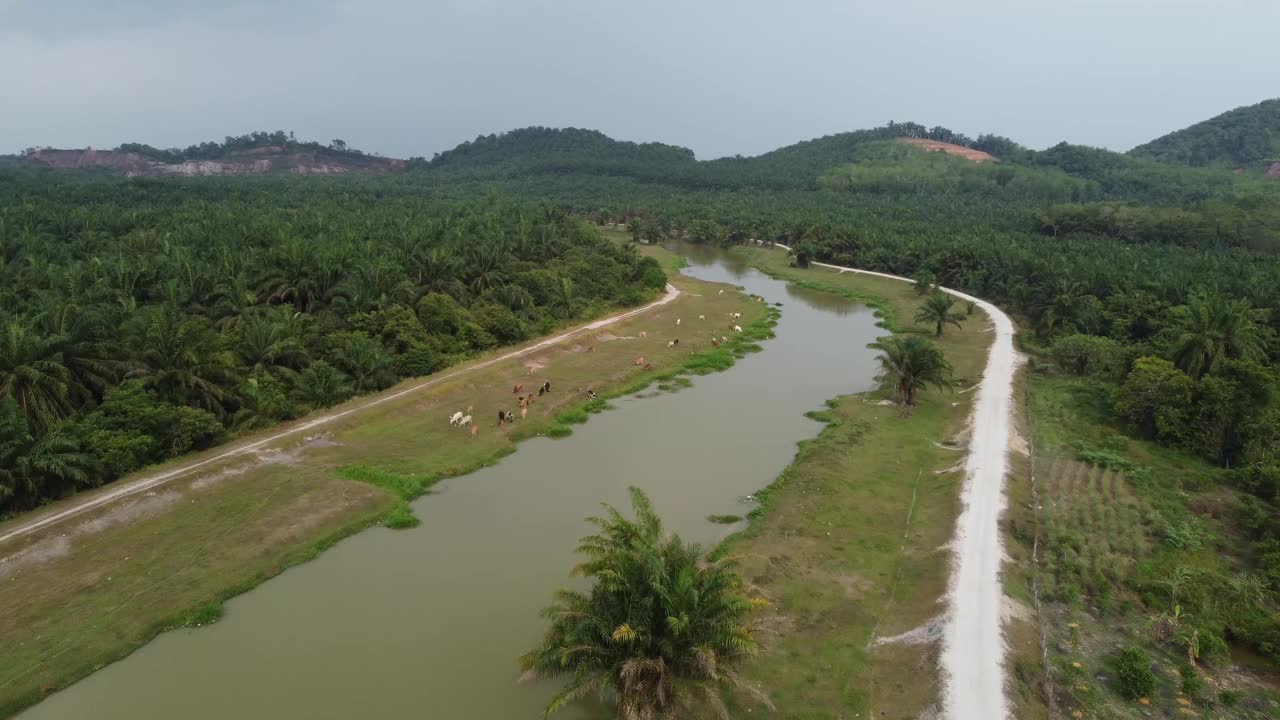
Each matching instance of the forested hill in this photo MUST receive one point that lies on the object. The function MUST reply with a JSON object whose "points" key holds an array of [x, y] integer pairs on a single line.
{"points": [[542, 149], [1244, 136]]}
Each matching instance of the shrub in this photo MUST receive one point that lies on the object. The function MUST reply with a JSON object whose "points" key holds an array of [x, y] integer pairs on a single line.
{"points": [[1133, 674]]}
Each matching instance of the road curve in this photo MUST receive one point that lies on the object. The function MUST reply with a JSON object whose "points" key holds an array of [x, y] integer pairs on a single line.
{"points": [[148, 482], [972, 637]]}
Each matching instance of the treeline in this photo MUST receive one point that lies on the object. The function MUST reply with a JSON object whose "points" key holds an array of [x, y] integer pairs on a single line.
{"points": [[143, 319], [232, 144]]}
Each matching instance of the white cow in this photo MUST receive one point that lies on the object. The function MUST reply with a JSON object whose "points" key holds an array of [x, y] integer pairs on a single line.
{"points": [[465, 421], [737, 328], [455, 418], [702, 317], [677, 322]]}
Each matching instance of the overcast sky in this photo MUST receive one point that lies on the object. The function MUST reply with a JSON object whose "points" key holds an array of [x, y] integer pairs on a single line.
{"points": [[720, 76]]}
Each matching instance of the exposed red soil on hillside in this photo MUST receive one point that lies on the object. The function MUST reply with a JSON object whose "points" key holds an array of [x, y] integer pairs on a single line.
{"points": [[950, 149]]}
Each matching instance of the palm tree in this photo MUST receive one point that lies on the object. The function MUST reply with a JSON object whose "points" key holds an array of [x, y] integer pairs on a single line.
{"points": [[269, 342], [321, 385], [661, 629], [28, 463], [182, 360], [1216, 328], [1177, 580], [911, 364], [32, 373], [1246, 591], [936, 311], [366, 362]]}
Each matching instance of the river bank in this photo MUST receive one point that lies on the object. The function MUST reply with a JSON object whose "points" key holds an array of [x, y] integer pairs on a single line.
{"points": [[79, 595], [851, 541]]}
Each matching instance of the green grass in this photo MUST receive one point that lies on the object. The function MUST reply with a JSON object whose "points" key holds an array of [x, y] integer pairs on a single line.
{"points": [[847, 541]]}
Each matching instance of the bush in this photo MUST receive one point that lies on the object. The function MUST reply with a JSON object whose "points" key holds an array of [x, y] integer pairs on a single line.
{"points": [[1133, 674], [1085, 354]]}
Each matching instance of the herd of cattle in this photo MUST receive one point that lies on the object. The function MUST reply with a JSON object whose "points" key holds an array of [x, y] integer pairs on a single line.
{"points": [[463, 419]]}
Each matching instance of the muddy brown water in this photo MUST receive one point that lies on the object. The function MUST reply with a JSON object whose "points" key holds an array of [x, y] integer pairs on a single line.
{"points": [[429, 622]]}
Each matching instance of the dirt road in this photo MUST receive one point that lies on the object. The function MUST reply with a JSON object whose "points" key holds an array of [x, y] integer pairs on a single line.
{"points": [[972, 637], [128, 488]]}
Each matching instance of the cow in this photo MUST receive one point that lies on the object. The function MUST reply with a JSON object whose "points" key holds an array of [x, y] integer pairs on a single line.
{"points": [[465, 421], [455, 418]]}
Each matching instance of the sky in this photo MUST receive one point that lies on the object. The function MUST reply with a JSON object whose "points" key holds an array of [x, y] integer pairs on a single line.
{"points": [[723, 77]]}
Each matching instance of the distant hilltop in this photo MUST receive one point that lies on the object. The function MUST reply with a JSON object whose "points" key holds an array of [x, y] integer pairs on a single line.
{"points": [[258, 160]]}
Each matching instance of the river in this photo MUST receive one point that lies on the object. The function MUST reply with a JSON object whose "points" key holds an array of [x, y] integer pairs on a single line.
{"points": [[429, 622]]}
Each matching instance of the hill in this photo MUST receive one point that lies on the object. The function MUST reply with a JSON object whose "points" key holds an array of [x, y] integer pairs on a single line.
{"points": [[253, 153], [1242, 137], [542, 149]]}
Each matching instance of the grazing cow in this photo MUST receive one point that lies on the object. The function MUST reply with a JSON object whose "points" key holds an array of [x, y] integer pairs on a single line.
{"points": [[547, 386], [720, 293], [455, 418], [524, 412], [671, 344], [592, 394], [724, 338], [640, 360], [474, 429], [737, 328], [501, 416], [511, 417], [648, 366], [516, 390], [644, 333], [702, 317], [677, 322], [714, 341], [465, 421], [541, 390]]}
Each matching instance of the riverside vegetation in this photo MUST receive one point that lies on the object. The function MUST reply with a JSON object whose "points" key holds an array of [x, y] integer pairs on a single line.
{"points": [[1145, 284]]}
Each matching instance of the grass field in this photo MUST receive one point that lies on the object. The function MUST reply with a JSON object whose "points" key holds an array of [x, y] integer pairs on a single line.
{"points": [[91, 590], [849, 542]]}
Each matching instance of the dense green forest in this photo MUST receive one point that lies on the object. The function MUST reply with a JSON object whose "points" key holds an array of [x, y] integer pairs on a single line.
{"points": [[143, 319], [1242, 136]]}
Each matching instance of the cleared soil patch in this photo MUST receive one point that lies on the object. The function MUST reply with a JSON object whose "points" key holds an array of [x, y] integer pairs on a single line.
{"points": [[948, 148], [64, 613]]}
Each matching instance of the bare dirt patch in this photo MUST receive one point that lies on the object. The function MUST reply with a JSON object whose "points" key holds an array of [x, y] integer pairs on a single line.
{"points": [[923, 635], [948, 148], [34, 555], [148, 504]]}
